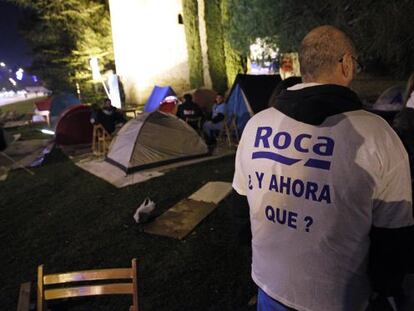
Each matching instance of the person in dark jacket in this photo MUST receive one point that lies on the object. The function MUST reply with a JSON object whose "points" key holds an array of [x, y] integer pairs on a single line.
{"points": [[190, 112], [108, 116], [283, 85]]}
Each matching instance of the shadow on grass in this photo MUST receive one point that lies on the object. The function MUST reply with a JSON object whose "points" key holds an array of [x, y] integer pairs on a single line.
{"points": [[69, 220]]}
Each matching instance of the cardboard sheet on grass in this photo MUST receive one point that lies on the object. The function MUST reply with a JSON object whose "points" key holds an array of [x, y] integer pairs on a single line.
{"points": [[119, 179], [182, 218], [24, 153]]}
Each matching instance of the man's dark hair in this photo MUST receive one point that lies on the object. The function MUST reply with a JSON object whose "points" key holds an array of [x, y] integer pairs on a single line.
{"points": [[187, 97]]}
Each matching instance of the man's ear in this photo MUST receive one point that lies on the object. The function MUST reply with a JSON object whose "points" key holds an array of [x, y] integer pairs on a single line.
{"points": [[347, 67]]}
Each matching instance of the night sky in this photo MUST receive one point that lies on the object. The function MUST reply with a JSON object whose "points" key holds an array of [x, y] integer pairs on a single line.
{"points": [[13, 50]]}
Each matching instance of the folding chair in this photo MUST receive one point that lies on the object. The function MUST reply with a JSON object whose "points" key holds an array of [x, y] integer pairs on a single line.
{"points": [[98, 282], [229, 132], [197, 122], [100, 140]]}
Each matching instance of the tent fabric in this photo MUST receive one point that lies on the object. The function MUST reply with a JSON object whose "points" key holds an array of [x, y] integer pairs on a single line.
{"points": [[157, 95], [391, 99], [154, 139], [204, 98], [44, 105], [74, 126], [249, 95], [61, 102]]}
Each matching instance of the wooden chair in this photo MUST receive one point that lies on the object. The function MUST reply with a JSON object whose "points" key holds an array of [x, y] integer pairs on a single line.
{"points": [[129, 111], [229, 132], [23, 304], [101, 140], [99, 282]]}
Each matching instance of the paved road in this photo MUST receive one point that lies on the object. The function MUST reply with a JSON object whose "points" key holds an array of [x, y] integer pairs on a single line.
{"points": [[17, 98]]}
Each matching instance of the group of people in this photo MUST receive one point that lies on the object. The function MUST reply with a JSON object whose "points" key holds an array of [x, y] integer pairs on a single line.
{"points": [[328, 190], [190, 112]]}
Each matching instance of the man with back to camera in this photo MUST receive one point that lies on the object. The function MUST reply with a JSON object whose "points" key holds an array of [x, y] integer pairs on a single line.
{"points": [[325, 181]]}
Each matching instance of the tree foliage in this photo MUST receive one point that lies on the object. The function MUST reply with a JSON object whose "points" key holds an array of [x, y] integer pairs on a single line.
{"points": [[382, 29], [192, 34], [63, 36], [215, 43]]}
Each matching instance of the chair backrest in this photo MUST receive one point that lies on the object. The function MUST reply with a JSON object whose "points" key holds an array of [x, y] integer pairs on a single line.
{"points": [[99, 282], [229, 131], [101, 140], [196, 121]]}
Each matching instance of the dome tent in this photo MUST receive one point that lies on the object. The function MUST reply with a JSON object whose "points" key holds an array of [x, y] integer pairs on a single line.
{"points": [[392, 99], [61, 102], [154, 139], [73, 126], [249, 95], [157, 95]]}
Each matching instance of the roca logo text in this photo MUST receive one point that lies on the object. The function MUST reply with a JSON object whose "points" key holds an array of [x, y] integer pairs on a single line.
{"points": [[271, 144]]}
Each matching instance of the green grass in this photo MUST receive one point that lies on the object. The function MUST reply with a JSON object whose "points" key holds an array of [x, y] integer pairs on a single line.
{"points": [[22, 107], [68, 219], [29, 132]]}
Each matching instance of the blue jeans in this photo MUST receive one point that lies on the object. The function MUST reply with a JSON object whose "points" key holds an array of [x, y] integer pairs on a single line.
{"points": [[267, 303]]}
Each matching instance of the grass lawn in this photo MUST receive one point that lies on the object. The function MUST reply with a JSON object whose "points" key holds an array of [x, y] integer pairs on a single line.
{"points": [[68, 219], [22, 107]]}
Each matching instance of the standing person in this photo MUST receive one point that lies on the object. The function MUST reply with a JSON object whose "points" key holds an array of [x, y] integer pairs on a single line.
{"points": [[211, 127], [325, 181], [189, 111]]}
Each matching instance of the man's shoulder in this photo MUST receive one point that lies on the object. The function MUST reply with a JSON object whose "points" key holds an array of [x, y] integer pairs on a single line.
{"points": [[368, 120]]}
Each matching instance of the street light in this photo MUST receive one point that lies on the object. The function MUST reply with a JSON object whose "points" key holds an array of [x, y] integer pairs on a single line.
{"points": [[12, 81], [19, 74]]}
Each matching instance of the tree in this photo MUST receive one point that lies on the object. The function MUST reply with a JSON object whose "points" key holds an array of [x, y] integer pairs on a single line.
{"points": [[64, 35], [382, 29]]}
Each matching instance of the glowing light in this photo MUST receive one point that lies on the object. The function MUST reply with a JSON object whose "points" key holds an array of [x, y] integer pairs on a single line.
{"points": [[12, 81], [34, 78], [2, 64], [94, 63], [19, 74], [47, 132], [142, 58]]}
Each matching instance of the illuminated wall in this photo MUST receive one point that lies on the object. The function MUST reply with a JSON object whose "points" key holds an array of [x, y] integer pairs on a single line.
{"points": [[149, 45]]}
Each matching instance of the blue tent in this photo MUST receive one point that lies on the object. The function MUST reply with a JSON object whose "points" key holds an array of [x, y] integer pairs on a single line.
{"points": [[392, 99], [157, 95], [61, 102], [249, 95]]}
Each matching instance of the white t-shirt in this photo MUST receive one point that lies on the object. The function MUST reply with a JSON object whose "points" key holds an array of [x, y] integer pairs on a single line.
{"points": [[410, 102], [314, 192]]}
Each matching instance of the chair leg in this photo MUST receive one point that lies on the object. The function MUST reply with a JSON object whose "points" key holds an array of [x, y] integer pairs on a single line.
{"points": [[40, 298]]}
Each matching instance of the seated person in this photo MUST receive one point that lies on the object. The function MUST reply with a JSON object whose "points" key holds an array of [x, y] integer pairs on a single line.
{"points": [[169, 105], [189, 109], [108, 116], [211, 127]]}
